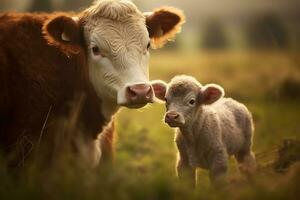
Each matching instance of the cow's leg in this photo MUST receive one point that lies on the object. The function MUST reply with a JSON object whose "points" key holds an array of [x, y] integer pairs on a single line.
{"points": [[107, 144]]}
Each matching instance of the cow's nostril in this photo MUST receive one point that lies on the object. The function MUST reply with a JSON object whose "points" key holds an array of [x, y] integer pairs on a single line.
{"points": [[176, 116], [132, 94], [139, 93]]}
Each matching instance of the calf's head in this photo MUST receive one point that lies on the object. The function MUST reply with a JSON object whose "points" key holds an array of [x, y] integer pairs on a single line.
{"points": [[117, 38], [183, 97]]}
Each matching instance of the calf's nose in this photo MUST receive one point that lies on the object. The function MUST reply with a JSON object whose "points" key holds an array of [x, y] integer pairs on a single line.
{"points": [[172, 116], [139, 93]]}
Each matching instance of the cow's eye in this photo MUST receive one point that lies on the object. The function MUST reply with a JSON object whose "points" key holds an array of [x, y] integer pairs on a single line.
{"points": [[96, 50], [192, 102], [148, 45]]}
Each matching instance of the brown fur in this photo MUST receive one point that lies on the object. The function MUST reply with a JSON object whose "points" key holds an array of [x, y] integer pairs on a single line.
{"points": [[59, 24], [37, 78], [107, 143], [46, 98]]}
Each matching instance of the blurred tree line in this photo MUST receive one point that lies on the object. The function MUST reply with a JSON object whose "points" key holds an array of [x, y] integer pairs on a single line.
{"points": [[62, 5], [214, 35], [38, 5], [267, 30], [43, 5]]}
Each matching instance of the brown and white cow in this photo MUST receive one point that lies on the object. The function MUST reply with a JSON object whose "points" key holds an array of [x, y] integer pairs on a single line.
{"points": [[65, 75]]}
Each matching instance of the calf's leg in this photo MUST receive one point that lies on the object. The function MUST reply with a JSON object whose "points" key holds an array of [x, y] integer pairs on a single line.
{"points": [[246, 163], [218, 168], [185, 172]]}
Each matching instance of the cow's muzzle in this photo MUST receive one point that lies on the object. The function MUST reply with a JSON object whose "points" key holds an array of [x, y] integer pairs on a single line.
{"points": [[138, 95]]}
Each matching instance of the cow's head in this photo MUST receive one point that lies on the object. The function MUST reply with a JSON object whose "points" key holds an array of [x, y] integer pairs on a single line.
{"points": [[117, 37]]}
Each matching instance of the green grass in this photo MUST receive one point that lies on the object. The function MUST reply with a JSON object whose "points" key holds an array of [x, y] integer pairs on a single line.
{"points": [[252, 78], [145, 150]]}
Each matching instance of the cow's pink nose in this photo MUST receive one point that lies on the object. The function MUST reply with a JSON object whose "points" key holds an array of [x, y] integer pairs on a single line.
{"points": [[172, 116], [139, 93]]}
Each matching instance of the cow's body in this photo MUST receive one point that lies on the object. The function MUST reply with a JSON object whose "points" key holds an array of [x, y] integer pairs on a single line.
{"points": [[52, 88], [37, 79]]}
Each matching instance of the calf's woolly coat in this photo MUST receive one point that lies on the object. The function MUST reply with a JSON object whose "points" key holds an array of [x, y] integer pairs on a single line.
{"points": [[210, 130]]}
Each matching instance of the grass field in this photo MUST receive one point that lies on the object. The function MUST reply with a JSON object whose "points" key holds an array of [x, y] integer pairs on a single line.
{"points": [[267, 82], [256, 79]]}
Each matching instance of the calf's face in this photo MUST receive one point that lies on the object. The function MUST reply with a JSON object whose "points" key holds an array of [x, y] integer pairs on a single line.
{"points": [[183, 98], [117, 39]]}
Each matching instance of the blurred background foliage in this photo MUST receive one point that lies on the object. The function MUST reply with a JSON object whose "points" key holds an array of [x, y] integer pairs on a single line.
{"points": [[215, 24], [250, 47]]}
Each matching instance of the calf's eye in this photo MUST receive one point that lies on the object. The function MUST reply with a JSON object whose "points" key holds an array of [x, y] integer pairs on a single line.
{"points": [[192, 102]]}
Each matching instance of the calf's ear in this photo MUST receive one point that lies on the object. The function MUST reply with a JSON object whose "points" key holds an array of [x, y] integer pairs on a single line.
{"points": [[163, 24], [210, 93], [159, 88], [64, 32]]}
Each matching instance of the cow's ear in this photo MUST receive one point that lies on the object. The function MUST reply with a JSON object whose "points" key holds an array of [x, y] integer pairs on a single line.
{"points": [[159, 88], [63, 32], [163, 24], [210, 93]]}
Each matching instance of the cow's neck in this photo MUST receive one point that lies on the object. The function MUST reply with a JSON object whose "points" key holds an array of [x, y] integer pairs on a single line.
{"points": [[109, 108]]}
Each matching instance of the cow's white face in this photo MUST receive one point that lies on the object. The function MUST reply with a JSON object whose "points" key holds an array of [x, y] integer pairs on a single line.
{"points": [[117, 38], [118, 56]]}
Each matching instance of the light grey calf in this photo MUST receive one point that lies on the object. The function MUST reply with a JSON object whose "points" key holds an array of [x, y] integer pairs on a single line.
{"points": [[210, 127]]}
